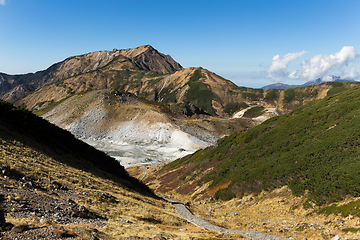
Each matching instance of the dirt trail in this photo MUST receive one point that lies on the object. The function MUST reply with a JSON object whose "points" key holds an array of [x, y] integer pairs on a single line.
{"points": [[182, 210]]}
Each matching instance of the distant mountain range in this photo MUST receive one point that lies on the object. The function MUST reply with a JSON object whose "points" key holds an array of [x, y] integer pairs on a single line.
{"points": [[309, 83]]}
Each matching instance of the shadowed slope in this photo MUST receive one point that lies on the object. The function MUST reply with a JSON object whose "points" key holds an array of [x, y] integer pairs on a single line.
{"points": [[21, 125]]}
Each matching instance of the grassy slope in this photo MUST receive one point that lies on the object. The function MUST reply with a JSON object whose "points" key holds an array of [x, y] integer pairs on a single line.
{"points": [[314, 148]]}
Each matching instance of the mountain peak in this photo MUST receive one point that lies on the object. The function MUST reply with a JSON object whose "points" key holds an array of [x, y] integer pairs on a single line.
{"points": [[134, 52], [141, 58], [148, 58]]}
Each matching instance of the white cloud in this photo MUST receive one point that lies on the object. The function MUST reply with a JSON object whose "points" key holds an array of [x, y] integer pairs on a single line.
{"points": [[319, 65], [2, 2], [350, 75], [327, 79], [279, 64]]}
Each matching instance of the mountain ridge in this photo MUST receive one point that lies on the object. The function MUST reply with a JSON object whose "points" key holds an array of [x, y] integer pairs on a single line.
{"points": [[13, 87]]}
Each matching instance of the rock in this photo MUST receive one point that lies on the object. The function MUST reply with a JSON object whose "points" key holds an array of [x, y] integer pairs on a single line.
{"points": [[4, 167], [182, 229], [81, 208], [126, 221], [42, 219], [159, 238], [337, 237], [52, 181]]}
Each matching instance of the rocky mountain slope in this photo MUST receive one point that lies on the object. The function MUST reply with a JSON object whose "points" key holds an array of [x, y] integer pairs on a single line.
{"points": [[147, 58]]}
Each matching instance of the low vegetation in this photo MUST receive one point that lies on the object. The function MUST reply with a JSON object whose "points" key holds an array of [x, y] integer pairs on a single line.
{"points": [[200, 93], [232, 107], [312, 149], [254, 112]]}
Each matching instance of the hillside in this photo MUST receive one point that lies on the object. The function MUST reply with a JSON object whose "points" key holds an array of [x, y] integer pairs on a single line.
{"points": [[312, 151], [56, 187], [288, 150]]}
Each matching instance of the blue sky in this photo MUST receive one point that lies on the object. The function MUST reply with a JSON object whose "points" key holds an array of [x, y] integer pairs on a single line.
{"points": [[252, 43]]}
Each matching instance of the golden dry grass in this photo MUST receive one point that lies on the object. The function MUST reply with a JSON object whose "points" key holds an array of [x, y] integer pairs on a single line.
{"points": [[149, 217], [279, 213]]}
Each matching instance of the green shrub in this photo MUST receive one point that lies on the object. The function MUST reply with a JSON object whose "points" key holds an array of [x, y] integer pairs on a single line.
{"points": [[199, 93], [289, 95], [251, 96], [335, 90], [335, 84], [232, 107], [224, 194], [270, 95], [254, 112]]}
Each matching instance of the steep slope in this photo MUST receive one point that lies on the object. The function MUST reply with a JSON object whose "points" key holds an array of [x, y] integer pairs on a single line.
{"points": [[21, 124], [313, 149], [53, 186], [142, 58]]}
